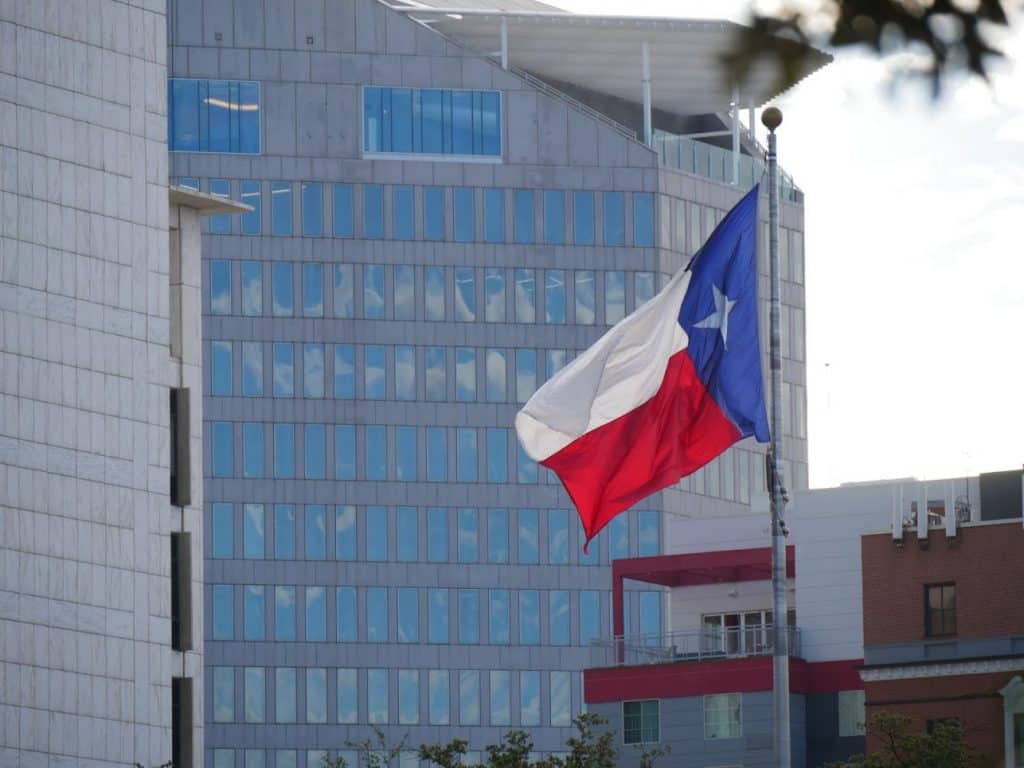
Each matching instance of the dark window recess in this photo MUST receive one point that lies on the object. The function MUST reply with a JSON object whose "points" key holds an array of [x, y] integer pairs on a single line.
{"points": [[181, 722], [951, 724], [1000, 494], [181, 591], [939, 609], [181, 485]]}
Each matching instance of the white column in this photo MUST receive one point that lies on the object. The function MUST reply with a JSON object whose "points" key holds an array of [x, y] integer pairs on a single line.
{"points": [[645, 51], [504, 43], [734, 114]]}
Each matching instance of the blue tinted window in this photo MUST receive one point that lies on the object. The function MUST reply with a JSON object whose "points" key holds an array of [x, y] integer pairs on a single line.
{"points": [[586, 297], [313, 370], [408, 615], [373, 292], [469, 616], [223, 530], [254, 612], [529, 698], [252, 531], [255, 691], [494, 295], [649, 542], [405, 453], [312, 209], [252, 450], [223, 462], [401, 214], [643, 219], [439, 697], [313, 290], [526, 374], [316, 696], [377, 695], [223, 612], [316, 614], [431, 121], [189, 183], [436, 455], [529, 617], [614, 223], [314, 446], [376, 533], [344, 291], [436, 373], [281, 283], [284, 369], [376, 615], [643, 287], [348, 701], [497, 455], [494, 215], [524, 231], [344, 452], [437, 535], [526, 468], [347, 625], [590, 556], [408, 534], [345, 532], [284, 613], [409, 697], [252, 368], [433, 213], [223, 696], [281, 208], [465, 374], [343, 210], [618, 537], [496, 375], [583, 218], [558, 620], [220, 224], [213, 116], [220, 374], [469, 547], [373, 211], [405, 373], [554, 217], [466, 455], [405, 293], [220, 287], [554, 296], [614, 297], [284, 532], [650, 613], [590, 617], [558, 536], [463, 215], [316, 532], [252, 288], [529, 537], [344, 371], [284, 450], [465, 294], [525, 296], [433, 290], [469, 697], [437, 616], [498, 616], [497, 536], [374, 384]]}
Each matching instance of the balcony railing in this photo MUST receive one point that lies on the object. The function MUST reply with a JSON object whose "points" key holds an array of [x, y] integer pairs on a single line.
{"points": [[716, 163], [692, 645]]}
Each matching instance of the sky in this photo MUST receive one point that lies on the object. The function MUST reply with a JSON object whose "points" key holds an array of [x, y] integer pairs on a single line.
{"points": [[915, 259]]}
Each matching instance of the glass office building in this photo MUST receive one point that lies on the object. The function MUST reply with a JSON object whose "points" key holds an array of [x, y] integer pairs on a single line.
{"points": [[434, 233]]}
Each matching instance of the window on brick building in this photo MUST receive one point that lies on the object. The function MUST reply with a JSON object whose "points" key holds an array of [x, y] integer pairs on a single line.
{"points": [[851, 713], [939, 609]]}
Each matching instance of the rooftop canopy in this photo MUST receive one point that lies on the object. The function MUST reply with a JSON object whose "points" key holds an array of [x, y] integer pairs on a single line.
{"points": [[604, 54]]}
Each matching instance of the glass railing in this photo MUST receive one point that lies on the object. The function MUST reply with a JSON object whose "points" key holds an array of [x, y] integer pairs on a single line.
{"points": [[702, 644], [715, 163]]}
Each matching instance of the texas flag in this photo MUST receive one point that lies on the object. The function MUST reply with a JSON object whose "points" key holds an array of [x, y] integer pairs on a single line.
{"points": [[665, 391]]}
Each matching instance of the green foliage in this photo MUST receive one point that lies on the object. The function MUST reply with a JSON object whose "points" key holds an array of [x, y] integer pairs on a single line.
{"points": [[901, 745], [593, 746], [375, 752], [444, 755], [943, 36]]}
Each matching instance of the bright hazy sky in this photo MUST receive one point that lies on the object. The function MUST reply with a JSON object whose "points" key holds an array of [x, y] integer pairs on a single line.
{"points": [[915, 273]]}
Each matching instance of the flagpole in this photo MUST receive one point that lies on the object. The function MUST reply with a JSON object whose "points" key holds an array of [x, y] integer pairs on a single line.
{"points": [[772, 119]]}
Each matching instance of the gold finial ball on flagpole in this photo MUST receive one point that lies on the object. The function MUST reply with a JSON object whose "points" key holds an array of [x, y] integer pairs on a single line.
{"points": [[772, 118]]}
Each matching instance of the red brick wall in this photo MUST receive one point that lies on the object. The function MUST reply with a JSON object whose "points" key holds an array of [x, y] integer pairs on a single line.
{"points": [[985, 562], [973, 699]]}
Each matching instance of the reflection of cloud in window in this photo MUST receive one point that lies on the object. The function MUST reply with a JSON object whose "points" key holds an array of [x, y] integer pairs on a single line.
{"points": [[285, 597], [252, 296], [405, 373], [404, 292], [220, 303], [433, 281], [465, 374], [465, 302], [283, 378], [560, 698], [494, 290], [495, 374]]}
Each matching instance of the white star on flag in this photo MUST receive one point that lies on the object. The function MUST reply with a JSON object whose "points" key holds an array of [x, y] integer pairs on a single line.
{"points": [[720, 317]]}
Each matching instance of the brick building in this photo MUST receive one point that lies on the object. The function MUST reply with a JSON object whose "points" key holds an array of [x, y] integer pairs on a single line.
{"points": [[944, 626]]}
